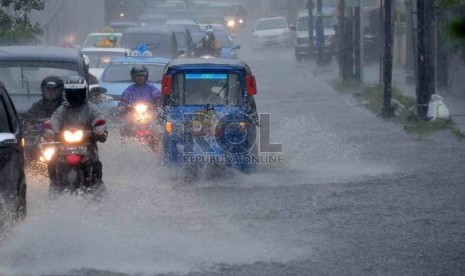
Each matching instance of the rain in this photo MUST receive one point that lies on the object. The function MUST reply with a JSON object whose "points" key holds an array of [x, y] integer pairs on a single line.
{"points": [[353, 191]]}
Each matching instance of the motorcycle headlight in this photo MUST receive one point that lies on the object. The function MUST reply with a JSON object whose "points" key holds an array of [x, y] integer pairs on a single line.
{"points": [[231, 23], [48, 153], [141, 108], [71, 137]]}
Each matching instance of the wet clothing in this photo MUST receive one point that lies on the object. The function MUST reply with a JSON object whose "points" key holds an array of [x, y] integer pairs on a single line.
{"points": [[136, 93], [212, 50], [84, 116], [44, 108]]}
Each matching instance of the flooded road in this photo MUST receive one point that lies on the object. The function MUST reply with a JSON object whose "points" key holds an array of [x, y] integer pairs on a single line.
{"points": [[354, 195]]}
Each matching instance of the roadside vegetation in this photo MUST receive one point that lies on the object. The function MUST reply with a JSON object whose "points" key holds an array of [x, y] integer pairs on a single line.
{"points": [[372, 96]]}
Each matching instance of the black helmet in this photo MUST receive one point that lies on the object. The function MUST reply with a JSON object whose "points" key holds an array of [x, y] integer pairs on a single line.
{"points": [[76, 90], [139, 70], [52, 87]]}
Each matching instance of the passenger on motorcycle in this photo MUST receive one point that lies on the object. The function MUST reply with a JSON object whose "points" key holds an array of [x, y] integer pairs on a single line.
{"points": [[208, 46], [52, 97], [77, 111]]}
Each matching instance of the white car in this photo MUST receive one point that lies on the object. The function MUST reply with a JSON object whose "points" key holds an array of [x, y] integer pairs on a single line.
{"points": [[272, 31], [100, 57]]}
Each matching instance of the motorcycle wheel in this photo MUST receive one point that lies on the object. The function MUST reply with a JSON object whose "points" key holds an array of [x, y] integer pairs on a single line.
{"points": [[72, 179]]}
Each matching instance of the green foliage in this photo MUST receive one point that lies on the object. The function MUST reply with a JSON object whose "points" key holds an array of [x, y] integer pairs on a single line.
{"points": [[451, 2], [15, 26], [454, 28]]}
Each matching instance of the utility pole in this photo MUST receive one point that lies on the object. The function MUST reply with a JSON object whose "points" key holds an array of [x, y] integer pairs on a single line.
{"points": [[310, 27], [425, 68], [320, 36], [357, 42], [341, 42], [388, 110]]}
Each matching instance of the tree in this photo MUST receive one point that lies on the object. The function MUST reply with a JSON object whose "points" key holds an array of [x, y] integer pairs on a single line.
{"points": [[455, 27], [15, 26]]}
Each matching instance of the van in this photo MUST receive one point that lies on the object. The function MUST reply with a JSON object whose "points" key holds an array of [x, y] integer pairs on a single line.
{"points": [[301, 46]]}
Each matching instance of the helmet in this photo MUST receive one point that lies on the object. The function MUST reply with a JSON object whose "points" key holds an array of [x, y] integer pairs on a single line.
{"points": [[86, 60], [112, 39], [76, 90], [52, 87], [209, 35], [138, 70]]}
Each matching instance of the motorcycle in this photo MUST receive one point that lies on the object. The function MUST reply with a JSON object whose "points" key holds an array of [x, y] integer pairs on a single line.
{"points": [[75, 160], [139, 122], [35, 157]]}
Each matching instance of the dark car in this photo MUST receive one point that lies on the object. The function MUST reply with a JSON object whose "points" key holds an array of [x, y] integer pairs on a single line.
{"points": [[22, 69], [209, 101], [12, 176], [158, 40]]}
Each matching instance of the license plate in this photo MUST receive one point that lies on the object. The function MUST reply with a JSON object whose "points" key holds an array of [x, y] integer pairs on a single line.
{"points": [[80, 150]]}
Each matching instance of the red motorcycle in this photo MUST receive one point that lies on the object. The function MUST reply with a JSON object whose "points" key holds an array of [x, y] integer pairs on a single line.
{"points": [[140, 122], [75, 159]]}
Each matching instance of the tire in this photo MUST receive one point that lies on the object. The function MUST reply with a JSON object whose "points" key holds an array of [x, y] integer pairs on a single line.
{"points": [[72, 179], [21, 209]]}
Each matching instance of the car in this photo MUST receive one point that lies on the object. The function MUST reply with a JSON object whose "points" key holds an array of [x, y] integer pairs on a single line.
{"points": [[301, 46], [12, 175], [228, 47], [121, 26], [161, 41], [272, 31], [228, 12], [184, 39], [116, 77], [209, 101], [190, 24], [99, 58], [94, 39], [23, 68], [152, 19], [207, 16]]}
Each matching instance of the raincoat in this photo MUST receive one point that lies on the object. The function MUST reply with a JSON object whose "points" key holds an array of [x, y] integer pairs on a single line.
{"points": [[85, 116], [44, 108], [136, 93]]}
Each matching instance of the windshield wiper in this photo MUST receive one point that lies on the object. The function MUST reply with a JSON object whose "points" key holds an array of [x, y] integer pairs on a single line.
{"points": [[221, 90]]}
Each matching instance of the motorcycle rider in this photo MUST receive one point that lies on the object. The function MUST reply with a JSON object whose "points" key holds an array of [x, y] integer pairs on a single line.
{"points": [[141, 90], [208, 46], [76, 110], [52, 97]]}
